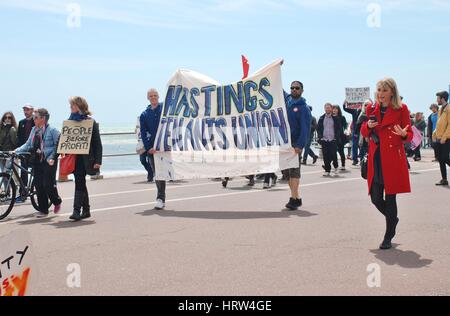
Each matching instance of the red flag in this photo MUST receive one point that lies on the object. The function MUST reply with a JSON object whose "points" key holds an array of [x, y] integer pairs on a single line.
{"points": [[245, 66]]}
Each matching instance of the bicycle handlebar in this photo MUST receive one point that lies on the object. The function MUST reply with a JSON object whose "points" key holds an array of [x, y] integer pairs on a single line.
{"points": [[6, 154]]}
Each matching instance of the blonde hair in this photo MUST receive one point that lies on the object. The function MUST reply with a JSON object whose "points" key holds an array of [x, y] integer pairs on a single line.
{"points": [[391, 84], [81, 103]]}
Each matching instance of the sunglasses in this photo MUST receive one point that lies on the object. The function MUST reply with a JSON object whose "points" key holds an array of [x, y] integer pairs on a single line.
{"points": [[295, 88], [8, 118]]}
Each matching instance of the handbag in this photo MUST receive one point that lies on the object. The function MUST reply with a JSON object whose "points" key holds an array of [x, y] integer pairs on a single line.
{"points": [[364, 166], [67, 165]]}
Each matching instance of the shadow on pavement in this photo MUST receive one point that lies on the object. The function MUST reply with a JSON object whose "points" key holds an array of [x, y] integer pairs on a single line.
{"points": [[405, 259], [70, 224], [37, 221], [227, 215]]}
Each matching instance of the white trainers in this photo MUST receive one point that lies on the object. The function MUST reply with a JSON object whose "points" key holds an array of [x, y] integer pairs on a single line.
{"points": [[336, 171], [160, 205], [266, 186], [327, 174]]}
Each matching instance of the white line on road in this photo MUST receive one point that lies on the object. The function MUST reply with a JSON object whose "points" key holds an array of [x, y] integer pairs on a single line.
{"points": [[211, 196], [170, 187]]}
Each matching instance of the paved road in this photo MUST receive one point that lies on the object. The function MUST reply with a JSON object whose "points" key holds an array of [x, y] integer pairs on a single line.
{"points": [[241, 241]]}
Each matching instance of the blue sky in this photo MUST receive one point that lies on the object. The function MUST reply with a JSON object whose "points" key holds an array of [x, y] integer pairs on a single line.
{"points": [[122, 48]]}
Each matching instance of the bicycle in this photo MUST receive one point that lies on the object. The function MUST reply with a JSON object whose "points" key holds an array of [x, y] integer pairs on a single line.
{"points": [[8, 186]]}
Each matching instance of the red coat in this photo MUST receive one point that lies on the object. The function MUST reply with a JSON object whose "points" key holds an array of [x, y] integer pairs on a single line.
{"points": [[392, 150]]}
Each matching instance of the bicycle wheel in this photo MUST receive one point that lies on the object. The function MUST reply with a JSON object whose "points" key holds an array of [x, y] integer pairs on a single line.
{"points": [[33, 198], [7, 195]]}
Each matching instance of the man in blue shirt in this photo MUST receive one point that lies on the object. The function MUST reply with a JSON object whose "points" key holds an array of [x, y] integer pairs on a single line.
{"points": [[299, 116], [149, 128], [432, 121]]}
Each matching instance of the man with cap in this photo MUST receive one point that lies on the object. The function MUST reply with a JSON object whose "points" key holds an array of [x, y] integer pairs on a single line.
{"points": [[23, 133]]}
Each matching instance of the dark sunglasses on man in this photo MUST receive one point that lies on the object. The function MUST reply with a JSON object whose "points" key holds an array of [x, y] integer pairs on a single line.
{"points": [[295, 88]]}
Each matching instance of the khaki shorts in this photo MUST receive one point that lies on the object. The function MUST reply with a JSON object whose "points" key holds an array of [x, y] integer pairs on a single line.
{"points": [[294, 173]]}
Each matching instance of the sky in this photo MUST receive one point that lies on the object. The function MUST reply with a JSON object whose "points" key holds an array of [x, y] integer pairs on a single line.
{"points": [[114, 50]]}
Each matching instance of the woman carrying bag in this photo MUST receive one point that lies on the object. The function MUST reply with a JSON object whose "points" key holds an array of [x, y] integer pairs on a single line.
{"points": [[84, 165], [388, 128]]}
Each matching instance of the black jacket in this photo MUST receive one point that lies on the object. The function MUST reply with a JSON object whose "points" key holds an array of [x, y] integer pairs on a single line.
{"points": [[338, 130], [21, 136], [95, 153]]}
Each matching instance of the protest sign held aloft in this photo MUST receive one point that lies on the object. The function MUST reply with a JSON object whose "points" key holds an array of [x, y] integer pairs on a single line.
{"points": [[209, 130], [355, 97], [18, 271], [76, 137]]}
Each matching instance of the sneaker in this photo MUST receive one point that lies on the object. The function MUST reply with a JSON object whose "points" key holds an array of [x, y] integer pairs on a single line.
{"points": [[355, 163], [20, 200], [336, 171], [150, 180], [315, 160], [57, 209], [442, 183], [304, 162], [266, 186], [327, 174], [160, 205], [291, 205], [343, 169]]}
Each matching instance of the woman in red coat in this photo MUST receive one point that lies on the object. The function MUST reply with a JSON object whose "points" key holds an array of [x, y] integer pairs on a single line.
{"points": [[388, 129]]}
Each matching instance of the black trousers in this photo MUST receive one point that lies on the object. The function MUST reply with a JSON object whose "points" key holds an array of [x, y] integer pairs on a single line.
{"points": [[387, 205], [341, 152], [329, 150], [269, 176], [442, 151], [45, 181], [160, 185]]}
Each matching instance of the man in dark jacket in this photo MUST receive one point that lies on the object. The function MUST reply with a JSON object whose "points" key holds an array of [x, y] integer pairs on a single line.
{"points": [[23, 132], [329, 134], [149, 128], [299, 116], [431, 127]]}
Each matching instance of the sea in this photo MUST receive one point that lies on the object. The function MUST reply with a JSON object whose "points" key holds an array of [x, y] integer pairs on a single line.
{"points": [[125, 160]]}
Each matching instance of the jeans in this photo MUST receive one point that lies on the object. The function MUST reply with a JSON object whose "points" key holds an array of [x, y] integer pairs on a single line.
{"points": [[355, 147], [330, 154], [145, 162], [160, 185], [308, 151]]}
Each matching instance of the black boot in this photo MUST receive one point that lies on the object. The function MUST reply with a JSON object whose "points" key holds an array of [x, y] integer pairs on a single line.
{"points": [[77, 204], [86, 207]]}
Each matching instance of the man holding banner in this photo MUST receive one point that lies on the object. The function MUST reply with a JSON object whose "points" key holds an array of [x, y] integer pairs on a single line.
{"points": [[299, 116]]}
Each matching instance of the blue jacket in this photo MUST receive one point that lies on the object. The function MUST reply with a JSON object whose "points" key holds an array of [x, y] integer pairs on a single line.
{"points": [[51, 139], [300, 118], [149, 125]]}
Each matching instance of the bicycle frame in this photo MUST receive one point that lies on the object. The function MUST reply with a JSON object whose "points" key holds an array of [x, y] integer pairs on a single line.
{"points": [[12, 171]]}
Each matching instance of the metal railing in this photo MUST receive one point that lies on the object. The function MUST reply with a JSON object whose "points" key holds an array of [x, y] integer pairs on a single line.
{"points": [[119, 134]]}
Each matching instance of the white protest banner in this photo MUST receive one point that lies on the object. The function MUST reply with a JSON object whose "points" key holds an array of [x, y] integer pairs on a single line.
{"points": [[18, 270], [76, 137], [209, 130], [355, 97]]}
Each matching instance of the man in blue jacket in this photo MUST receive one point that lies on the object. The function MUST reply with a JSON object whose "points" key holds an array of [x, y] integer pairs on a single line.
{"points": [[299, 116], [149, 127]]}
